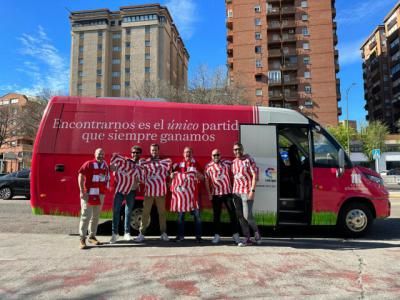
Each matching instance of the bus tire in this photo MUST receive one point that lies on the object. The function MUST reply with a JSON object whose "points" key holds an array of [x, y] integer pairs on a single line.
{"points": [[136, 217], [355, 219]]}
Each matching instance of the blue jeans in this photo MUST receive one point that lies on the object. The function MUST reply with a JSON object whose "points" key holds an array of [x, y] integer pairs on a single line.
{"points": [[129, 202], [197, 223]]}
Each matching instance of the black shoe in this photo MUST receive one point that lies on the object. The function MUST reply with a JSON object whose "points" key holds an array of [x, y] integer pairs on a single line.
{"points": [[199, 240], [179, 239]]}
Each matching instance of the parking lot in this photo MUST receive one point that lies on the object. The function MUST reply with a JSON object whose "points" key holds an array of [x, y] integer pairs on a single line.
{"points": [[40, 258]]}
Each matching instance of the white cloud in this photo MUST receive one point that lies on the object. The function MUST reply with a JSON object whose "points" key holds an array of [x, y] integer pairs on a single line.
{"points": [[350, 52], [184, 16], [44, 66], [360, 10]]}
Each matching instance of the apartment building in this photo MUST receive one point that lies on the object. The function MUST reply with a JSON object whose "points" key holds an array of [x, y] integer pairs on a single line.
{"points": [[376, 75], [117, 53], [282, 52], [16, 149]]}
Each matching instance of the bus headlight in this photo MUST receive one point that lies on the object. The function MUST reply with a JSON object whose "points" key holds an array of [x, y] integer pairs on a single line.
{"points": [[373, 178]]}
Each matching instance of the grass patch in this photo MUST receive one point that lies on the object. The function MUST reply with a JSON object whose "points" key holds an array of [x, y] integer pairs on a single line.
{"points": [[106, 214], [37, 211], [323, 218], [266, 218]]}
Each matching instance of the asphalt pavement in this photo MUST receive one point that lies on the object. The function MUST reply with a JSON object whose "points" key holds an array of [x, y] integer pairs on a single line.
{"points": [[40, 259]]}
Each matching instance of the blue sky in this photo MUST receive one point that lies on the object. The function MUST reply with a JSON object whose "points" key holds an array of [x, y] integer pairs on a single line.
{"points": [[35, 36]]}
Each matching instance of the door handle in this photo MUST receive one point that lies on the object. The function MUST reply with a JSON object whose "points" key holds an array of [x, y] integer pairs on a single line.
{"points": [[59, 168]]}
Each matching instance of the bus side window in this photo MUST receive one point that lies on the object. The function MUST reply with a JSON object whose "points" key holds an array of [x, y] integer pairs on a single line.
{"points": [[325, 153]]}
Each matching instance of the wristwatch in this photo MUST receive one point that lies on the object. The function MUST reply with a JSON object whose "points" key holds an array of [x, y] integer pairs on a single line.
{"points": [[253, 191]]}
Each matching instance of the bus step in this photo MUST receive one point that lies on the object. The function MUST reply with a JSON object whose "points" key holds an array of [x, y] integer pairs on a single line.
{"points": [[290, 199], [292, 223], [292, 211]]}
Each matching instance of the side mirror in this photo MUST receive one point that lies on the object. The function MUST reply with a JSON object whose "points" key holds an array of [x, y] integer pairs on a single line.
{"points": [[340, 170]]}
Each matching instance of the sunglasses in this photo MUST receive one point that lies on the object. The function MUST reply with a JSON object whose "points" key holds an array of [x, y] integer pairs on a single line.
{"points": [[236, 149], [135, 152], [215, 155]]}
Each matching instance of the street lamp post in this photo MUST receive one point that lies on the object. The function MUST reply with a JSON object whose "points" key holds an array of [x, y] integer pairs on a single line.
{"points": [[347, 116]]}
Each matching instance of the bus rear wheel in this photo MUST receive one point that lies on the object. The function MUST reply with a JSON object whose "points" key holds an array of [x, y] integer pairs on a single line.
{"points": [[355, 219]]}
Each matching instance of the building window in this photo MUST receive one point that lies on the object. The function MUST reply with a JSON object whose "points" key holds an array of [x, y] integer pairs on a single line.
{"points": [[116, 36], [98, 85], [304, 17], [308, 103], [127, 57], [259, 92], [127, 70], [147, 70], [115, 87], [147, 29], [79, 87], [116, 48], [127, 44], [81, 35], [305, 31], [112, 23], [304, 4], [115, 74], [100, 33], [81, 61], [230, 13], [147, 56], [258, 35], [14, 101], [257, 21], [258, 63], [128, 31], [116, 61], [99, 47], [306, 60], [257, 9], [99, 60], [80, 74], [147, 43], [307, 74], [258, 49], [306, 46], [127, 83], [98, 72], [307, 89]]}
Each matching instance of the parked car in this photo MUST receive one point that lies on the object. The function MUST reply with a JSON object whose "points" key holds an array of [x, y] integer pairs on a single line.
{"points": [[395, 171], [15, 184], [2, 174]]}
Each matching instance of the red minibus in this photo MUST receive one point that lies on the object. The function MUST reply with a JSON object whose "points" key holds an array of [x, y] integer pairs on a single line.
{"points": [[305, 176]]}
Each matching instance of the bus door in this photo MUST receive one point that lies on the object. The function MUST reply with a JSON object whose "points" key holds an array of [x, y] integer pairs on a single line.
{"points": [[260, 141]]}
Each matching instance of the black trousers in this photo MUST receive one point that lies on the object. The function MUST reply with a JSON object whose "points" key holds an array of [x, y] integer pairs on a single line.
{"points": [[217, 201]]}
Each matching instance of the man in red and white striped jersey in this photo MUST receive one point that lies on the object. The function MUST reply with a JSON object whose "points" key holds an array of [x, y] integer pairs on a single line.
{"points": [[219, 188], [182, 169], [127, 174], [93, 179], [245, 175], [154, 175]]}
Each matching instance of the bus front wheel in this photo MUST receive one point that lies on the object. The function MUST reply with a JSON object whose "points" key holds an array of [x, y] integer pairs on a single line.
{"points": [[355, 219]]}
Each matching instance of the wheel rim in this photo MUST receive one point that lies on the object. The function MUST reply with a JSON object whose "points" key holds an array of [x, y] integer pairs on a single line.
{"points": [[356, 220], [5, 193], [136, 218]]}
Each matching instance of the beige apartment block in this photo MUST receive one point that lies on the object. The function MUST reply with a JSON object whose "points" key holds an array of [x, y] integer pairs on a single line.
{"points": [[282, 52], [118, 53]]}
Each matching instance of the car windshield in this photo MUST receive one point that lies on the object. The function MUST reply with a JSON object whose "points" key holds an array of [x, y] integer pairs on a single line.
{"points": [[10, 175]]}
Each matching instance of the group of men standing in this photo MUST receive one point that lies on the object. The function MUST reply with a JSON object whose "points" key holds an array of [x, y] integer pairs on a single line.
{"points": [[231, 183]]}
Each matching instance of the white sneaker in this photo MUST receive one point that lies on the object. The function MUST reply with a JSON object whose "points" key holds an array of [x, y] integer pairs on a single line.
{"points": [[139, 238], [216, 239], [164, 237], [127, 237], [241, 244], [236, 238], [257, 238], [114, 238]]}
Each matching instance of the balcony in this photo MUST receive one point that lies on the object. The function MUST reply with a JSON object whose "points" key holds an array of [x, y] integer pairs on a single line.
{"points": [[273, 25], [339, 112], [288, 24], [336, 52], [290, 81], [335, 39], [333, 12], [275, 96], [261, 77], [288, 10], [229, 52], [334, 25], [273, 11], [229, 24], [272, 41], [289, 66], [289, 38], [229, 38], [228, 1], [291, 96], [274, 82], [337, 68], [274, 53]]}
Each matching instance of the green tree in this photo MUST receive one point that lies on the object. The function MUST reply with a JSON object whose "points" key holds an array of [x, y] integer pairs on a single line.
{"points": [[342, 135], [373, 137]]}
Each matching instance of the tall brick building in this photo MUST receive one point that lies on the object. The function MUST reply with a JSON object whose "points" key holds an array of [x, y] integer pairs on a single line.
{"points": [[283, 53], [114, 53], [381, 71]]}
